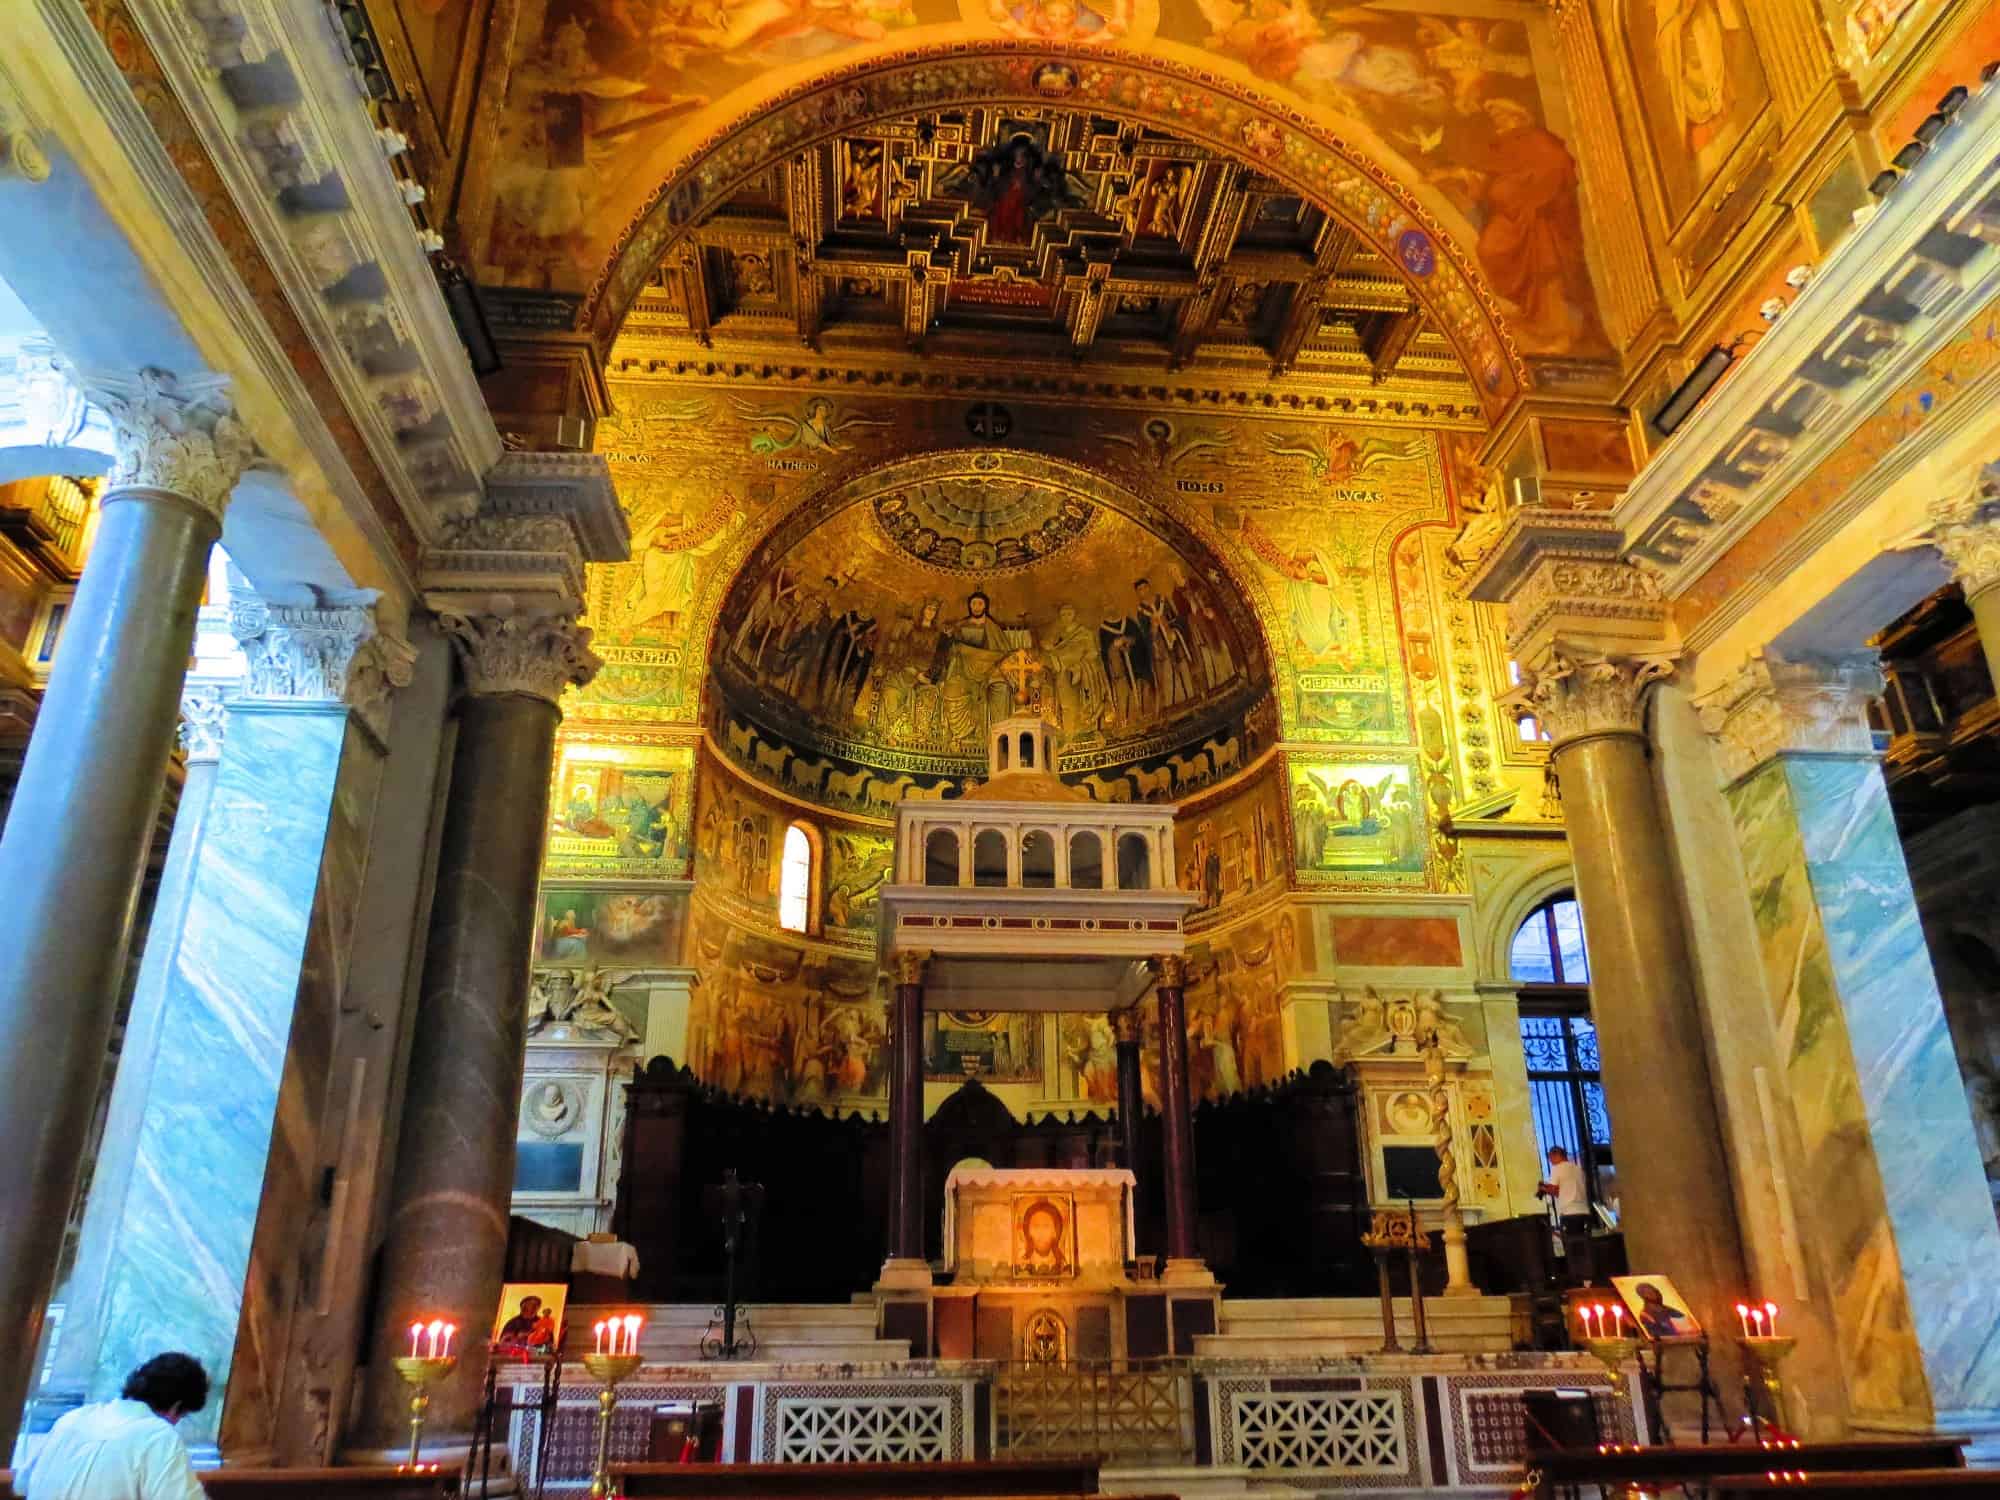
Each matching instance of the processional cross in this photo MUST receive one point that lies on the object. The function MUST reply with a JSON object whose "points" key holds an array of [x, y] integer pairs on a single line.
{"points": [[1020, 669]]}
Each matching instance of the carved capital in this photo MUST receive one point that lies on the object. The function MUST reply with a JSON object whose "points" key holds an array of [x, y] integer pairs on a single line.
{"points": [[544, 516], [1773, 705], [1125, 1024], [1578, 694], [202, 720], [536, 654], [300, 654], [1562, 574], [179, 437], [380, 665], [1966, 529], [910, 965], [1171, 970]]}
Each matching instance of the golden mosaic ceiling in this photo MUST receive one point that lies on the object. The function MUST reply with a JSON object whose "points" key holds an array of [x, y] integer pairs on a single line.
{"points": [[891, 621]]}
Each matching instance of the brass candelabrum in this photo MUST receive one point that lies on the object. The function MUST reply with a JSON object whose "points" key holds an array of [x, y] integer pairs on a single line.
{"points": [[420, 1373], [1614, 1354], [1767, 1352], [608, 1370]]}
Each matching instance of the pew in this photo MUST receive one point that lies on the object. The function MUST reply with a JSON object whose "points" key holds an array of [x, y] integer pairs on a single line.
{"points": [[1881, 1481], [1016, 1479], [359, 1483], [1558, 1469]]}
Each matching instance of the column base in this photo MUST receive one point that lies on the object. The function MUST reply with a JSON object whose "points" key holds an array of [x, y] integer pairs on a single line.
{"points": [[1468, 1290], [1193, 1271], [904, 1276]]}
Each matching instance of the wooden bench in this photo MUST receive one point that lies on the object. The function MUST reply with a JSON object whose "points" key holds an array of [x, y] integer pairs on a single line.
{"points": [[1012, 1478], [1688, 1463], [369, 1483], [1917, 1481]]}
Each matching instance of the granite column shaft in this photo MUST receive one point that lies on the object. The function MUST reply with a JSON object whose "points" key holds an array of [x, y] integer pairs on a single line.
{"points": [[1131, 1088], [446, 1247], [1176, 1115], [906, 1116], [71, 859]]}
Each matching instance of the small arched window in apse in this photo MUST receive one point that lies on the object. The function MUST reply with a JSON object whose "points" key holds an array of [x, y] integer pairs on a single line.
{"points": [[795, 881]]}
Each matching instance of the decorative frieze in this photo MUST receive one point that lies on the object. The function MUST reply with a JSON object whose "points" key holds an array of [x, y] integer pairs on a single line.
{"points": [[299, 654], [1966, 529], [536, 654], [1579, 694], [178, 436], [1773, 705]]}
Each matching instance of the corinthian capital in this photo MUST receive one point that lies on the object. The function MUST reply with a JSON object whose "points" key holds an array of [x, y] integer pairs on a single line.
{"points": [[180, 437], [1578, 694], [525, 652], [202, 722], [1773, 705], [300, 653], [1966, 529]]}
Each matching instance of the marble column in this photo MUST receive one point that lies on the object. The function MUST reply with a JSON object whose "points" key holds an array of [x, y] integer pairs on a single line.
{"points": [[1896, 1205], [1176, 1112], [446, 1245], [201, 732], [81, 820], [906, 1111], [1131, 1087], [1678, 1209], [1966, 529]]}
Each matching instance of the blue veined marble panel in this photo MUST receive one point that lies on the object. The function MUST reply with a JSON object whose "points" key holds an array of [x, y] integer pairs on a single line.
{"points": [[1937, 1198], [1844, 1222], [180, 1255]]}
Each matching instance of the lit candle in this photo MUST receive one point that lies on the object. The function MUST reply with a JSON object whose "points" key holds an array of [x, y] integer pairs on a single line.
{"points": [[1757, 1320], [449, 1330], [632, 1321], [431, 1332], [1618, 1319], [1772, 1309], [416, 1335], [1743, 1317], [597, 1329]]}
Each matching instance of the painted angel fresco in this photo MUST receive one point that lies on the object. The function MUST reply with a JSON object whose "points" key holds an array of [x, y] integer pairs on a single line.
{"points": [[818, 427], [1335, 457]]}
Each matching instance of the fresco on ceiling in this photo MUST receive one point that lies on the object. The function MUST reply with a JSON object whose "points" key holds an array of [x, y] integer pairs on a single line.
{"points": [[1234, 848], [597, 90], [590, 927], [1458, 98], [910, 622], [1075, 23], [436, 34], [620, 810], [1701, 85], [784, 1021]]}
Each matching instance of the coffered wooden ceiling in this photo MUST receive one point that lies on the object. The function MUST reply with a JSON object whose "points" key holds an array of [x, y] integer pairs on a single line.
{"points": [[1043, 239]]}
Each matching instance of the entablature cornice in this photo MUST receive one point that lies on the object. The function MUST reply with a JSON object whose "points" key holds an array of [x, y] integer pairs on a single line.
{"points": [[1891, 294]]}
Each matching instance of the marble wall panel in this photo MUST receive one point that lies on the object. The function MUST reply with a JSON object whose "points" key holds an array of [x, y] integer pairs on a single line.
{"points": [[182, 1248], [1908, 1074], [1855, 1009]]}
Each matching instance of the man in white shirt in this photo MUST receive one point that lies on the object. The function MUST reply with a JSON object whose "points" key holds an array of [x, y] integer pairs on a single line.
{"points": [[125, 1449], [1572, 1199]]}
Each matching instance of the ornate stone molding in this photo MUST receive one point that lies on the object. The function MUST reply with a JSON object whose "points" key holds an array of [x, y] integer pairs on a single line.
{"points": [[1171, 969], [172, 435], [1966, 529], [40, 407], [911, 964], [545, 515], [1773, 705], [202, 723], [527, 652], [380, 665], [1579, 694], [1563, 572], [328, 652]]}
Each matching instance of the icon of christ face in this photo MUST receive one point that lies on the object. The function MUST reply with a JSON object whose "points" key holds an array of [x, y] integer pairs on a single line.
{"points": [[1043, 1232]]}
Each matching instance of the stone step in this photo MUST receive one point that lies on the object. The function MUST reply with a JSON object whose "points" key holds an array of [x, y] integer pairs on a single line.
{"points": [[802, 1333], [1307, 1327]]}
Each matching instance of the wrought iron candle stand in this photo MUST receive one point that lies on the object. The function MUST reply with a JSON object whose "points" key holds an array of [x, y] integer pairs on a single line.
{"points": [[736, 1206]]}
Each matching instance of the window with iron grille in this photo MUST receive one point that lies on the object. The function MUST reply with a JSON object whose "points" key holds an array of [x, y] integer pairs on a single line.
{"points": [[1551, 963]]}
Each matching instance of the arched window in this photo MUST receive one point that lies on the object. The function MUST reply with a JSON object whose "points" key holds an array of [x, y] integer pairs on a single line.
{"points": [[989, 856], [1551, 962], [795, 878], [1038, 861], [1086, 862], [1135, 862], [941, 857]]}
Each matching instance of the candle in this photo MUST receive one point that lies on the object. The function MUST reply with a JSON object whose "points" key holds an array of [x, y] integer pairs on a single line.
{"points": [[632, 1321], [1772, 1309], [1618, 1319], [1743, 1317], [431, 1331], [597, 1329], [416, 1335], [449, 1330], [1757, 1320]]}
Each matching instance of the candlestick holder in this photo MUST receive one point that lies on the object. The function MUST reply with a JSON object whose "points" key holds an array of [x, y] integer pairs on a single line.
{"points": [[608, 1370], [1768, 1352], [420, 1373], [1614, 1354]]}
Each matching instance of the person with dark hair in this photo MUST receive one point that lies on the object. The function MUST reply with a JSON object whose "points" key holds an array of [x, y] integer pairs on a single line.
{"points": [[125, 1449]]}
